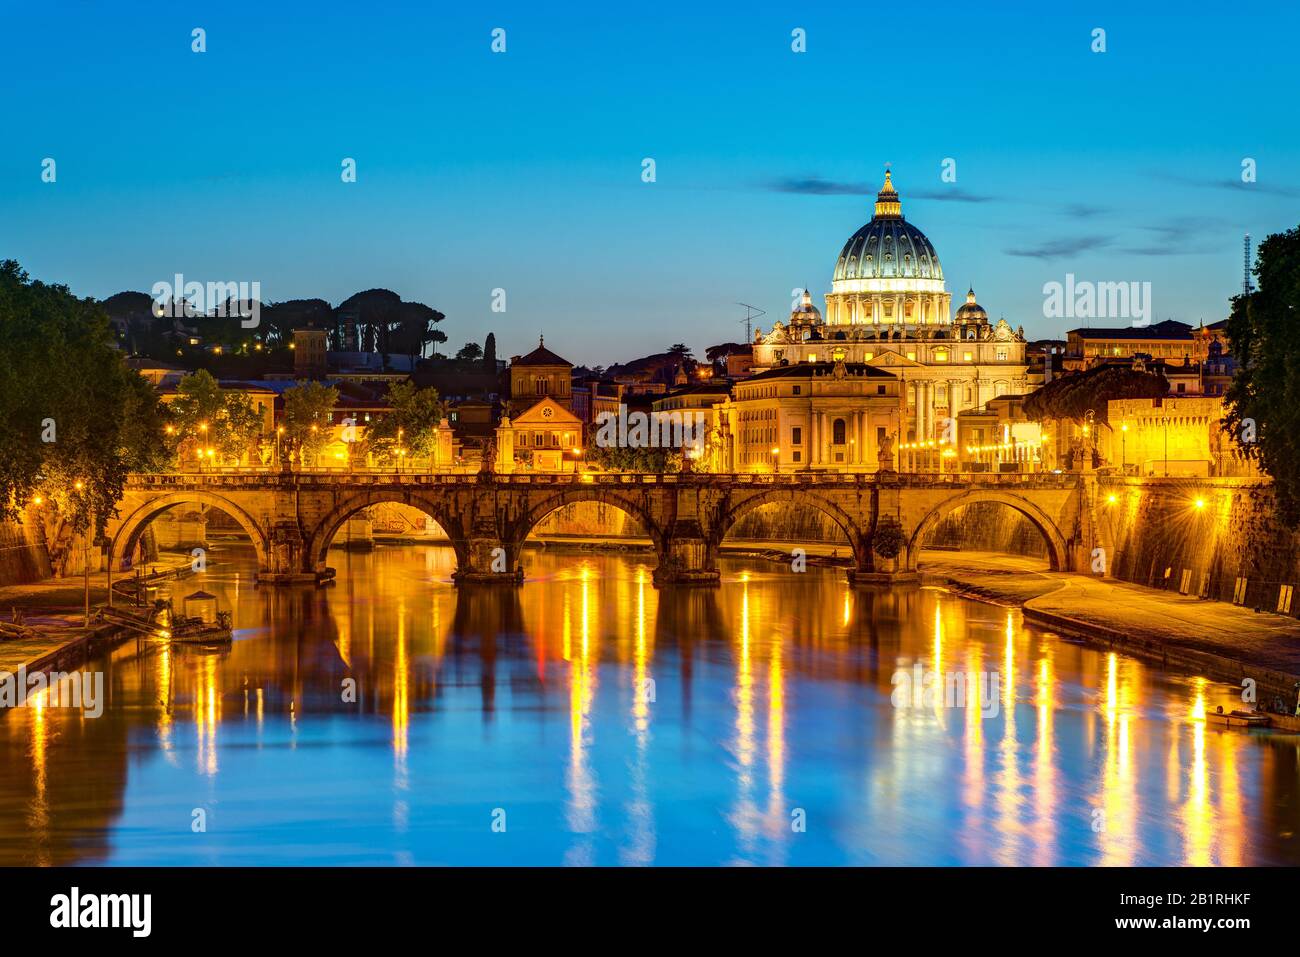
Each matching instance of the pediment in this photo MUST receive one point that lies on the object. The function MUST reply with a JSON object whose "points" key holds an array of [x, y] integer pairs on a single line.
{"points": [[895, 360], [548, 413]]}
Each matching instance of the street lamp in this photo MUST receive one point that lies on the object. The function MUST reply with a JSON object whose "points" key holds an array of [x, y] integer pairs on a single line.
{"points": [[776, 458], [1123, 439]]}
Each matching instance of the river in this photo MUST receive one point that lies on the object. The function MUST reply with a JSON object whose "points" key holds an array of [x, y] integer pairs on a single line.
{"points": [[588, 718]]}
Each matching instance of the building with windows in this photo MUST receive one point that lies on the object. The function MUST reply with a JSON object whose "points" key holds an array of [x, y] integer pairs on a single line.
{"points": [[546, 437], [889, 309], [812, 416], [1169, 340], [538, 375]]}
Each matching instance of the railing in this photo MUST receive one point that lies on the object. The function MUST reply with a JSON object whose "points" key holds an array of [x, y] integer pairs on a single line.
{"points": [[298, 479]]}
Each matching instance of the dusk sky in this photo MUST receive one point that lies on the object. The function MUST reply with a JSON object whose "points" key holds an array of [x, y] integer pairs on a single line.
{"points": [[522, 170]]}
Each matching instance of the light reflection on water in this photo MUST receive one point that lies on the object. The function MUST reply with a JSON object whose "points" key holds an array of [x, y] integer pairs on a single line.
{"points": [[391, 719]]}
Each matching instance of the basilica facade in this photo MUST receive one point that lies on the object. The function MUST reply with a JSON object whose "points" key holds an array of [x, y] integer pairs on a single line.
{"points": [[889, 311]]}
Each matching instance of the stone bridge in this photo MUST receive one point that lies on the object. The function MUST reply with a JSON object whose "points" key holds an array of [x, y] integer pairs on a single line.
{"points": [[292, 517]]}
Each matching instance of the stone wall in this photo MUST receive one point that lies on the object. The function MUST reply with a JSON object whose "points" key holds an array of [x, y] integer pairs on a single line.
{"points": [[1157, 531], [23, 557], [988, 527], [590, 518]]}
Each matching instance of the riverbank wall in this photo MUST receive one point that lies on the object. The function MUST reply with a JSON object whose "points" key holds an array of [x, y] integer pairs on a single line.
{"points": [[1213, 538]]}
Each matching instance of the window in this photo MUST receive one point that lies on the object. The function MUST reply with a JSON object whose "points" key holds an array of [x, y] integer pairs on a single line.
{"points": [[837, 432], [912, 356], [966, 357], [1284, 599], [796, 436], [798, 390], [542, 384], [794, 456], [523, 438], [941, 355], [812, 357], [868, 356], [539, 439], [1002, 354], [880, 390]]}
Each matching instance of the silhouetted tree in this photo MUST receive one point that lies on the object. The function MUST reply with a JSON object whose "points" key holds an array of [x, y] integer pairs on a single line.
{"points": [[1264, 337]]}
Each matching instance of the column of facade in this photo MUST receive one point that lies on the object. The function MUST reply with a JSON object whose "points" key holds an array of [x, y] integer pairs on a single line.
{"points": [[922, 410]]}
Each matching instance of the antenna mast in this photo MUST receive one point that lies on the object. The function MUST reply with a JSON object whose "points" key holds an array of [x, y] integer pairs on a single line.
{"points": [[751, 313], [1246, 287]]}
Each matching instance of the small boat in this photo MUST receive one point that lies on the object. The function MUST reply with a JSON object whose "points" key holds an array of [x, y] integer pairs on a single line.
{"points": [[1238, 719], [197, 631]]}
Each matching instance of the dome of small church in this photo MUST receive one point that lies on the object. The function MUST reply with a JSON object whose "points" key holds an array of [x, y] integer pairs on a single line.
{"points": [[888, 247], [971, 311], [805, 312]]}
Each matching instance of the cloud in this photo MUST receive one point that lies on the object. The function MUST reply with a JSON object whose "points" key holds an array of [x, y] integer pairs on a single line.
{"points": [[1054, 248], [1234, 184], [952, 195], [1182, 236], [816, 186], [1083, 210]]}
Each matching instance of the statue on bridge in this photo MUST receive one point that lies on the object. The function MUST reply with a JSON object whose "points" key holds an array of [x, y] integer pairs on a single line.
{"points": [[886, 454]]}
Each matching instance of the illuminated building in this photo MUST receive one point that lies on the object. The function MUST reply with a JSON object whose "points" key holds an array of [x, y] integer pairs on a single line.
{"points": [[1169, 340], [889, 309], [813, 415]]}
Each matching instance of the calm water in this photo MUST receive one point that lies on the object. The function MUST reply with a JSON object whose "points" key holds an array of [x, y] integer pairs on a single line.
{"points": [[604, 722]]}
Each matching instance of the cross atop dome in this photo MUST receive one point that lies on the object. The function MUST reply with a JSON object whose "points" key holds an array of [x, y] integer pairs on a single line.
{"points": [[887, 205]]}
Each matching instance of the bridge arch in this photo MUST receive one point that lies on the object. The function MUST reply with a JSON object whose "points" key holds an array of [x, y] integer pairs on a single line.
{"points": [[1057, 550], [333, 520], [132, 527], [534, 514], [854, 529]]}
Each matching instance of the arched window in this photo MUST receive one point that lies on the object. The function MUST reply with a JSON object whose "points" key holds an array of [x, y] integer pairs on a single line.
{"points": [[837, 430]]}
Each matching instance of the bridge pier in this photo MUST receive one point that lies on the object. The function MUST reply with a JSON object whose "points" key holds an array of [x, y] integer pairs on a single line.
{"points": [[485, 559], [686, 558], [871, 569], [289, 560]]}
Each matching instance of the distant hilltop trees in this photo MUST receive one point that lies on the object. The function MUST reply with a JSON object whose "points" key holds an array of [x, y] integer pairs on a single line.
{"points": [[375, 320]]}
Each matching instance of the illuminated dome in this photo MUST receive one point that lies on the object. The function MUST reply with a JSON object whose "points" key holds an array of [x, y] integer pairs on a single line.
{"points": [[971, 311], [888, 247], [888, 273]]}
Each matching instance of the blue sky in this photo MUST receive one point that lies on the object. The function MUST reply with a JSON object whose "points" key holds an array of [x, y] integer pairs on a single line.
{"points": [[522, 170]]}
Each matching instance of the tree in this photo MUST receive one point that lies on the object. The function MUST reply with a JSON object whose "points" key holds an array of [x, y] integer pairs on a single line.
{"points": [[1263, 400], [74, 420], [308, 408], [470, 352], [413, 329], [1072, 396], [621, 458], [410, 427], [208, 417], [490, 354]]}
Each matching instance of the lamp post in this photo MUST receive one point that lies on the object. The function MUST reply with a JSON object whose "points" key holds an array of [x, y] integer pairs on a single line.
{"points": [[1123, 440], [776, 459]]}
